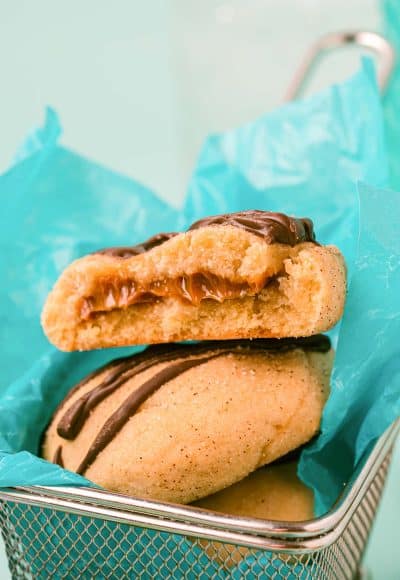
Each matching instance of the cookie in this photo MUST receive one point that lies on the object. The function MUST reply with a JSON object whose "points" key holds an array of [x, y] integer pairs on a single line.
{"points": [[271, 493], [252, 274], [180, 422]]}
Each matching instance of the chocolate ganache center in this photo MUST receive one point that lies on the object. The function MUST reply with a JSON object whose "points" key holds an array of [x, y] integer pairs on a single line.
{"points": [[118, 372], [273, 227], [190, 289]]}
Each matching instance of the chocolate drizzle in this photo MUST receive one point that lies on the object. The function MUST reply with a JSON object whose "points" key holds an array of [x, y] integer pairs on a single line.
{"points": [[121, 370], [58, 457], [128, 408], [273, 227], [129, 251], [125, 369]]}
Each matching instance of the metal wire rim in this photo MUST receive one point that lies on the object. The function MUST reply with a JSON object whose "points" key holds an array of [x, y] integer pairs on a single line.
{"points": [[371, 41], [305, 536]]}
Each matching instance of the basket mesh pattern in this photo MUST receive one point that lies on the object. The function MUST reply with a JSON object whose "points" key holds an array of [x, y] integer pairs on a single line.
{"points": [[47, 543]]}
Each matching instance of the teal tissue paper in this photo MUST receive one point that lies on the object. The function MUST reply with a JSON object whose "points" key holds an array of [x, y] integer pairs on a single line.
{"points": [[304, 159], [365, 385], [391, 102], [57, 206]]}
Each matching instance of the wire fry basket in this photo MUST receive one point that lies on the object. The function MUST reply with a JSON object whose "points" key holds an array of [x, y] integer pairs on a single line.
{"points": [[85, 533]]}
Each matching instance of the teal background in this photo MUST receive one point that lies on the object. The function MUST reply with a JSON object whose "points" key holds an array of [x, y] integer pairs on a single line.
{"points": [[113, 99]]}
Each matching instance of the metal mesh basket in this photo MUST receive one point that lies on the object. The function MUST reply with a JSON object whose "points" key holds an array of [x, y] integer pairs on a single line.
{"points": [[86, 533]]}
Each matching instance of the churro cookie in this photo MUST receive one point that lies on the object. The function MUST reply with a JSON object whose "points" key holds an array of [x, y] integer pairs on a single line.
{"points": [[274, 492], [179, 422], [252, 274]]}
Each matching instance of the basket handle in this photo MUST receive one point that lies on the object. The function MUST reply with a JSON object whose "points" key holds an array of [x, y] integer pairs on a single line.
{"points": [[370, 40]]}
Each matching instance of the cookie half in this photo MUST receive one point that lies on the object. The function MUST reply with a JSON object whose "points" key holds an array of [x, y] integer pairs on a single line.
{"points": [[179, 422], [248, 275]]}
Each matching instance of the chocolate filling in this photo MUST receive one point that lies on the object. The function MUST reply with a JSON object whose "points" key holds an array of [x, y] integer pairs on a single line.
{"points": [[122, 370], [191, 289]]}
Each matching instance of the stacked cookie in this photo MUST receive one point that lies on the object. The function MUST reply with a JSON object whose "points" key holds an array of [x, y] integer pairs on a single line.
{"points": [[178, 422]]}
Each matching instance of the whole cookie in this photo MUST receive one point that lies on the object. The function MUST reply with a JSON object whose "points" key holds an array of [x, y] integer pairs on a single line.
{"points": [[273, 492], [179, 422], [253, 274]]}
